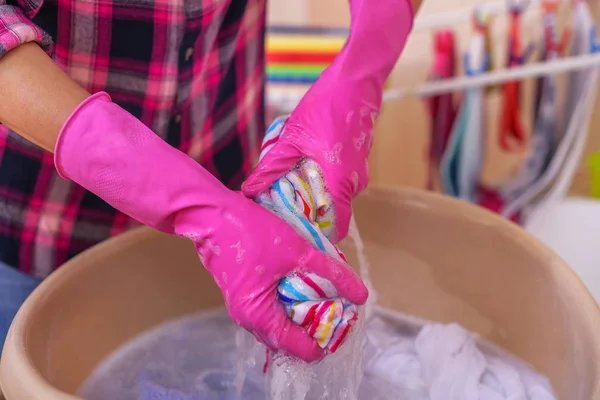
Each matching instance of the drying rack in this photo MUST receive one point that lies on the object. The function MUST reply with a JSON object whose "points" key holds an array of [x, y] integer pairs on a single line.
{"points": [[555, 182], [286, 99]]}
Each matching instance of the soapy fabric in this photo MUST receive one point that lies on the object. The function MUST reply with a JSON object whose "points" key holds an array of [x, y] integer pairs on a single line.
{"points": [[301, 199], [446, 362]]}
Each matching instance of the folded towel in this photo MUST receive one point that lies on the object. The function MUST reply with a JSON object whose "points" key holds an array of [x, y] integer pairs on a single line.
{"points": [[301, 199]]}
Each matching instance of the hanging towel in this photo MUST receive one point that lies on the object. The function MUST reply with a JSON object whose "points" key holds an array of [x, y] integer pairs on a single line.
{"points": [[512, 133], [441, 108], [471, 149], [542, 142], [555, 181], [450, 163], [517, 194], [472, 145], [462, 161], [301, 199], [583, 40]]}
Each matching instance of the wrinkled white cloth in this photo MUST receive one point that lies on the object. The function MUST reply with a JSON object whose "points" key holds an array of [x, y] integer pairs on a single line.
{"points": [[446, 362]]}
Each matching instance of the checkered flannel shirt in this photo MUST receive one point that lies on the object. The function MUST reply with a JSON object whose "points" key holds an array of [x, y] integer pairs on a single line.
{"points": [[191, 70]]}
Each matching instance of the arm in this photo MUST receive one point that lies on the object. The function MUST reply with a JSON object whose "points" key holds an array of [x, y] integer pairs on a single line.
{"points": [[41, 96], [111, 153], [333, 123], [37, 96]]}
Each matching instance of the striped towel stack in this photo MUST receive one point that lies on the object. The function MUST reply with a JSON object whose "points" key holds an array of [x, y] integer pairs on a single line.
{"points": [[300, 55]]}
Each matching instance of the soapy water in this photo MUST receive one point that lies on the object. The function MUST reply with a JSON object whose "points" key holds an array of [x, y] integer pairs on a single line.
{"points": [[196, 358], [387, 356]]}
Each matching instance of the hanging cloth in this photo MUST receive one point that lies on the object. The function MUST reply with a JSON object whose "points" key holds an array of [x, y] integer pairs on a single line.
{"points": [[543, 142], [557, 48], [482, 22], [583, 34], [512, 133], [477, 62], [449, 163], [441, 108], [581, 96], [462, 162]]}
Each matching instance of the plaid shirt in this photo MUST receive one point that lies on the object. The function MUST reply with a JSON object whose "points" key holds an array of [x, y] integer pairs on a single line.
{"points": [[191, 70]]}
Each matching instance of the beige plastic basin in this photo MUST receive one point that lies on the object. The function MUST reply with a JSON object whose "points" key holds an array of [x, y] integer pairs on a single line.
{"points": [[431, 256]]}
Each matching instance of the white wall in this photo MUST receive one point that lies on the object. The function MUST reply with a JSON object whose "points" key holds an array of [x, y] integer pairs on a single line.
{"points": [[290, 12]]}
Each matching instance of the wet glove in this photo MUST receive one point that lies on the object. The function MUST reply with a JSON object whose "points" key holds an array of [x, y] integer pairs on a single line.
{"points": [[333, 123], [246, 248]]}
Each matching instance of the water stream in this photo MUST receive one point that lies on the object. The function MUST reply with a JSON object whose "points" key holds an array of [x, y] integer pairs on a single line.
{"points": [[339, 375]]}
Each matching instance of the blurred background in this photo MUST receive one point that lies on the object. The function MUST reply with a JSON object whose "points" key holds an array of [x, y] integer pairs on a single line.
{"points": [[399, 153]]}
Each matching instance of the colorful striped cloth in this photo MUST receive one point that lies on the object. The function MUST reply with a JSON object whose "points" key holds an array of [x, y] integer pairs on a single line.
{"points": [[300, 56], [300, 198]]}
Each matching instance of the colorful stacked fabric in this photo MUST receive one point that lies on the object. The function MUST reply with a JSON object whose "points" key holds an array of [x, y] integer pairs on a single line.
{"points": [[301, 199], [299, 56]]}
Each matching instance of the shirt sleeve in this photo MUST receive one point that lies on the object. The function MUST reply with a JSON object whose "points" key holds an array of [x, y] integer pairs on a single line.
{"points": [[16, 27]]}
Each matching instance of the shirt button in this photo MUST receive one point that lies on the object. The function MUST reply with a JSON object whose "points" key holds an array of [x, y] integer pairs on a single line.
{"points": [[188, 53], [178, 118]]}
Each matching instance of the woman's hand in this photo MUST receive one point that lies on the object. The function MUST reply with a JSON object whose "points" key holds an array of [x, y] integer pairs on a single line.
{"points": [[246, 248], [333, 124]]}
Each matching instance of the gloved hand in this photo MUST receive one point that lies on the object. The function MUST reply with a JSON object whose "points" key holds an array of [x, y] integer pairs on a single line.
{"points": [[333, 123], [246, 248]]}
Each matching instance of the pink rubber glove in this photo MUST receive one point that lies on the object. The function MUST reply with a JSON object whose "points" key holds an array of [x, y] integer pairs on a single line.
{"points": [[333, 123], [245, 248]]}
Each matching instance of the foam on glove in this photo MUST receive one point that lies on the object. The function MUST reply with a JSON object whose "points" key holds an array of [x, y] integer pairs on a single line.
{"points": [[301, 199]]}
